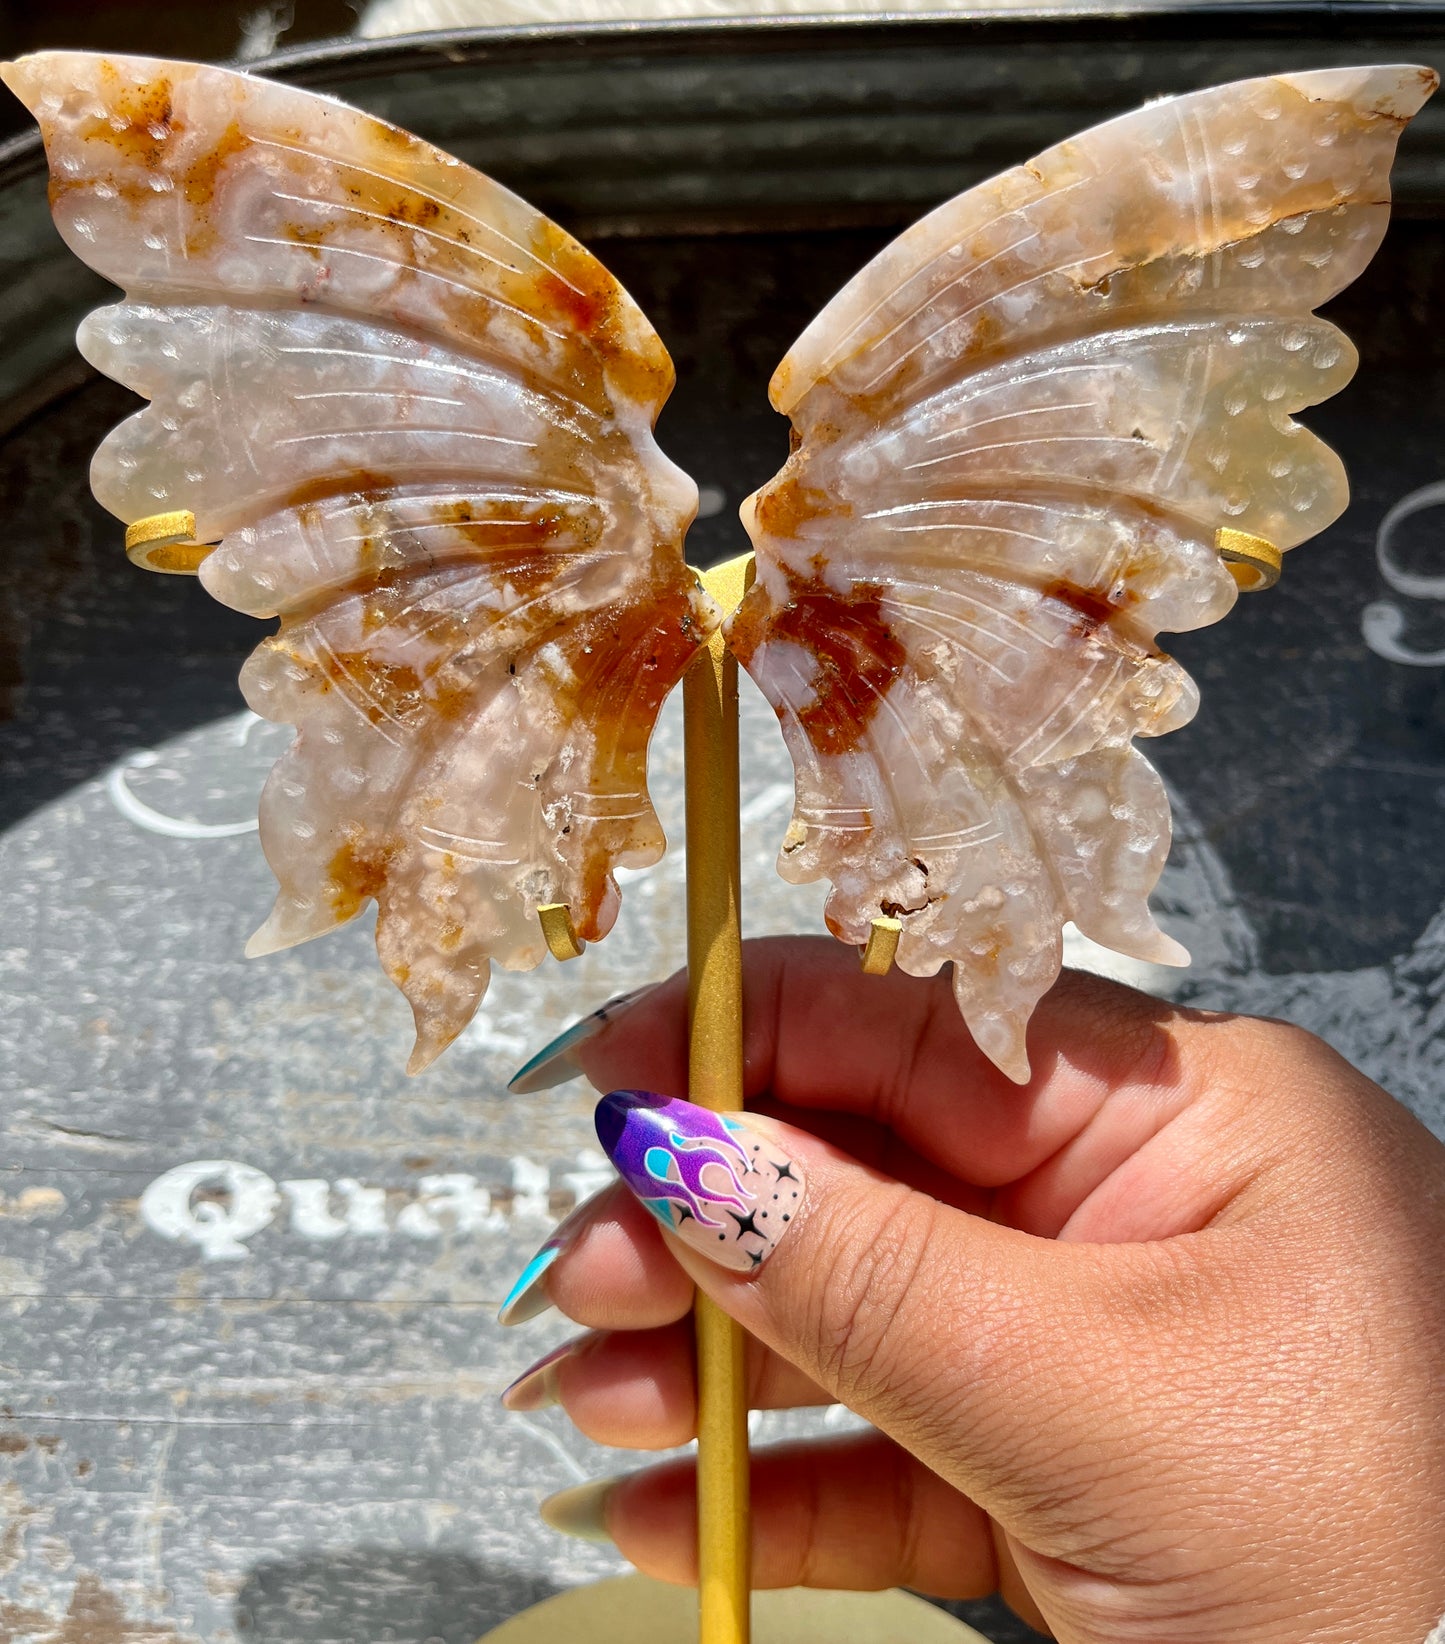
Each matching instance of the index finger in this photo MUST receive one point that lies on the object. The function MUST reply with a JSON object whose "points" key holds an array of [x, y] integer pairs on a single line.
{"points": [[819, 1034]]}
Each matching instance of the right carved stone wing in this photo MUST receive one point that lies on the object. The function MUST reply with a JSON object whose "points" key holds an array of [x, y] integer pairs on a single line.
{"points": [[1017, 433]]}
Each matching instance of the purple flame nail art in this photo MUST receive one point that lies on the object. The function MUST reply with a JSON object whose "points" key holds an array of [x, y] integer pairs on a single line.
{"points": [[708, 1177]]}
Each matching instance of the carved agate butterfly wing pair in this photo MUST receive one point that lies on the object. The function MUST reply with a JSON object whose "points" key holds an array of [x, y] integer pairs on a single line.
{"points": [[417, 417]]}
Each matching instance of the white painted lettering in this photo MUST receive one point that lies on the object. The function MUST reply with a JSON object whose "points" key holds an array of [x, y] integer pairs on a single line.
{"points": [[449, 1203], [215, 1204], [218, 1204], [365, 1208], [1382, 623], [310, 1204], [531, 1196]]}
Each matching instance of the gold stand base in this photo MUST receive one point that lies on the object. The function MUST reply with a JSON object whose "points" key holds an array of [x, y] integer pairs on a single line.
{"points": [[632, 1608]]}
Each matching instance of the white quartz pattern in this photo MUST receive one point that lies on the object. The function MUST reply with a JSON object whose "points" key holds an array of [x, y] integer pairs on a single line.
{"points": [[1016, 433], [417, 416]]}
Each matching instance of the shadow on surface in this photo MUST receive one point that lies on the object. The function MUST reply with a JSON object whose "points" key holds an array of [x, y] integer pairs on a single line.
{"points": [[375, 1593], [993, 1618], [405, 1597]]}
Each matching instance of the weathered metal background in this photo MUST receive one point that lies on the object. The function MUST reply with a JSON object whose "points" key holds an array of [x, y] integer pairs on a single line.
{"points": [[248, 1363]]}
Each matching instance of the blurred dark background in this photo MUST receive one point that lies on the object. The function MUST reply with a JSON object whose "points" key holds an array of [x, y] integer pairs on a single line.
{"points": [[177, 27], [220, 29]]}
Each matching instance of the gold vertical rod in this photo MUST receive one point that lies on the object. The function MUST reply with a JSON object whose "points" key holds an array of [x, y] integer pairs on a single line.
{"points": [[715, 1080]]}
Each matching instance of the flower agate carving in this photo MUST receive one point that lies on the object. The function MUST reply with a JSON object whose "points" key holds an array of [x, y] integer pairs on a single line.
{"points": [[1016, 433], [418, 418]]}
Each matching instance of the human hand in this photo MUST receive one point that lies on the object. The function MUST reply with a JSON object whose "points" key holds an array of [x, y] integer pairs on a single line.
{"points": [[1153, 1346]]}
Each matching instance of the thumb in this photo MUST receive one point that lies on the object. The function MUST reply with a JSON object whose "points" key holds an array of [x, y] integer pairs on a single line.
{"points": [[969, 1343]]}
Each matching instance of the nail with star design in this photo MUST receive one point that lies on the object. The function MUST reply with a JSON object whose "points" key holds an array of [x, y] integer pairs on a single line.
{"points": [[716, 1181], [557, 1061]]}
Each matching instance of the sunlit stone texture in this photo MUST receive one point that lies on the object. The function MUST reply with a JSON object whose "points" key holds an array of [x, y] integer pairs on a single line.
{"points": [[1016, 432], [418, 418]]}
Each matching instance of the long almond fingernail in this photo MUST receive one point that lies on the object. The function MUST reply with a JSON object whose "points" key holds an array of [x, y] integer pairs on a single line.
{"points": [[557, 1061], [712, 1179], [537, 1386], [580, 1511], [529, 1296]]}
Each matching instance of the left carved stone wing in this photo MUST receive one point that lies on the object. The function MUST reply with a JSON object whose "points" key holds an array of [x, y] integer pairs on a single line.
{"points": [[417, 416]]}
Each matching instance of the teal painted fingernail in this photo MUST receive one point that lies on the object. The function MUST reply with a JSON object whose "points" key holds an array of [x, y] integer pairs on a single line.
{"points": [[557, 1062], [580, 1511], [529, 1296]]}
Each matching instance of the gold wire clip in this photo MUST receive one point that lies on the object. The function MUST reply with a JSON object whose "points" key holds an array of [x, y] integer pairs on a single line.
{"points": [[877, 956], [557, 928], [1254, 562], [166, 543]]}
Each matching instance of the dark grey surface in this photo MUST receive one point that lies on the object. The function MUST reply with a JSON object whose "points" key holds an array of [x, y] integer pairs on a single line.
{"points": [[290, 1434]]}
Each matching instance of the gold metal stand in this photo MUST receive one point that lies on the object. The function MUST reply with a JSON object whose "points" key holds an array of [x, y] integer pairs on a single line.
{"points": [[632, 1606], [715, 1080]]}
